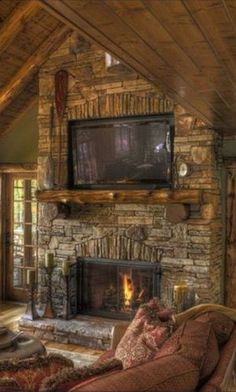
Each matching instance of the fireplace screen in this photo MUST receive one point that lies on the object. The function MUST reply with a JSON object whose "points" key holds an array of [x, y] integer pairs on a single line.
{"points": [[114, 288]]}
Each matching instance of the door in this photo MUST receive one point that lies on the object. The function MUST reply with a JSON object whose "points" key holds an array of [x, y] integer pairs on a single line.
{"points": [[230, 282], [20, 234]]}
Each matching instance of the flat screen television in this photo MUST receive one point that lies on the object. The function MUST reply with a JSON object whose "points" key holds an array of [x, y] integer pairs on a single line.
{"points": [[133, 152]]}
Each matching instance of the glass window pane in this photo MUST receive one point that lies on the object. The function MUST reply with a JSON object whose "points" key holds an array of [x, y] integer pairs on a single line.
{"points": [[34, 212], [33, 189], [18, 239], [18, 278], [19, 183], [24, 250], [18, 212], [34, 235], [18, 255], [18, 229], [19, 194]]}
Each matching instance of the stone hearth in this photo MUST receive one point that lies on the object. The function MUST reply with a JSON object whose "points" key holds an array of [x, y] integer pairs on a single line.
{"points": [[93, 332]]}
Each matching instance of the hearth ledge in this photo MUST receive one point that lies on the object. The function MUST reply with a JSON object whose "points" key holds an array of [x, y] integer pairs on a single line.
{"points": [[88, 331]]}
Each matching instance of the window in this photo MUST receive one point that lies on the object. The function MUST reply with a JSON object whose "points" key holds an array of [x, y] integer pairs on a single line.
{"points": [[24, 232]]}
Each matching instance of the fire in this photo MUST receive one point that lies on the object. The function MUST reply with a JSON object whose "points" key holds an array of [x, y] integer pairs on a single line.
{"points": [[128, 290]]}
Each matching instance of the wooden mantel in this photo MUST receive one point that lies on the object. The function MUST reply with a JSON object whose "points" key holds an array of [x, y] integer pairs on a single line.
{"points": [[160, 196]]}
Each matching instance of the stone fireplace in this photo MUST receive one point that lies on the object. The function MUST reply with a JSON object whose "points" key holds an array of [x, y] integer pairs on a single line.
{"points": [[144, 235]]}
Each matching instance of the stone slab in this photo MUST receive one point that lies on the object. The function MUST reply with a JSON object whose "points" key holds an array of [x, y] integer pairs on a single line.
{"points": [[93, 332]]}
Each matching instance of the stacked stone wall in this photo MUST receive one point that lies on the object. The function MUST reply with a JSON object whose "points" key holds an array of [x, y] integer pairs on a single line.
{"points": [[190, 250]]}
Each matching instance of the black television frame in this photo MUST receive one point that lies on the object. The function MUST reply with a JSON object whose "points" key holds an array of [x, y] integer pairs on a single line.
{"points": [[126, 186]]}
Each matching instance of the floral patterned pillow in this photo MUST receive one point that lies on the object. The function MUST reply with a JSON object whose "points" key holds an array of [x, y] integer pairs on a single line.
{"points": [[145, 335]]}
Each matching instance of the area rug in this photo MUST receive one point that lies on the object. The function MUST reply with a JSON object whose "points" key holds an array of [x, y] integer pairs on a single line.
{"points": [[79, 359]]}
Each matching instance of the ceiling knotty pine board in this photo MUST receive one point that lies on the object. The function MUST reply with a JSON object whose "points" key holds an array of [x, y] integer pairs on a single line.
{"points": [[31, 66], [15, 21], [179, 22], [83, 16], [215, 22], [146, 26]]}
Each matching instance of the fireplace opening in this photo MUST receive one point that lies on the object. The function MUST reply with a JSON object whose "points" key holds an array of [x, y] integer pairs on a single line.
{"points": [[115, 288]]}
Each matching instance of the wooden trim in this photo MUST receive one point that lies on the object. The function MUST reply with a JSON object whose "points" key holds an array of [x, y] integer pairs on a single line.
{"points": [[162, 196], [1, 240], [4, 207], [12, 293], [16, 21], [32, 65], [18, 167]]}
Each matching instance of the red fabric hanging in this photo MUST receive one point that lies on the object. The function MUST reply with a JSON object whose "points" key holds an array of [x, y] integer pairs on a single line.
{"points": [[61, 89]]}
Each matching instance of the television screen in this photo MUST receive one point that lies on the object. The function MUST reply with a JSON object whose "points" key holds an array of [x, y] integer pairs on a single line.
{"points": [[122, 151]]}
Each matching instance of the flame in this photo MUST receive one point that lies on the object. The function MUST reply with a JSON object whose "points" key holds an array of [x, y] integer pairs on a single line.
{"points": [[128, 289]]}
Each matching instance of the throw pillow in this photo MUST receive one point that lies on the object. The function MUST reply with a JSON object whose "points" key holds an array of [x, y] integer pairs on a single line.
{"points": [[28, 374], [196, 342], [222, 325], [145, 335]]}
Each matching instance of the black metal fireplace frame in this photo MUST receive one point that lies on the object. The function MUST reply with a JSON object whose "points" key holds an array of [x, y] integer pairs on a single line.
{"points": [[77, 276]]}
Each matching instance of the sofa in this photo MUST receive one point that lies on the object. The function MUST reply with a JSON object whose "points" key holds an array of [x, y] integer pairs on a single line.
{"points": [[197, 356]]}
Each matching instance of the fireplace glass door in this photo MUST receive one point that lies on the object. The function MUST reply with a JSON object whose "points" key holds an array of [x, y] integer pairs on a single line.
{"points": [[114, 288]]}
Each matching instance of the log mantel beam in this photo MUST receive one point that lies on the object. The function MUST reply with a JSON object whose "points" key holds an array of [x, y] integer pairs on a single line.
{"points": [[160, 196], [32, 65], [15, 22]]}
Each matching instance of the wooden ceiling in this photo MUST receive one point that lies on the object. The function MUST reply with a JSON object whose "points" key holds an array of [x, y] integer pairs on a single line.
{"points": [[186, 47], [28, 35]]}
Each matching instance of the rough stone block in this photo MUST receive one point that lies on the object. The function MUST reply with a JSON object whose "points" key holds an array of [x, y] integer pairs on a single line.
{"points": [[133, 220]]}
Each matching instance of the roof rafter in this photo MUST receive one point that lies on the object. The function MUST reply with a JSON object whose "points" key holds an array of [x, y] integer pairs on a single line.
{"points": [[14, 23], [19, 80]]}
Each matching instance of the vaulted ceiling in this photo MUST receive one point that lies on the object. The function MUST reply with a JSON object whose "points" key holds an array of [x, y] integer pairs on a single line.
{"points": [[186, 47], [28, 34]]}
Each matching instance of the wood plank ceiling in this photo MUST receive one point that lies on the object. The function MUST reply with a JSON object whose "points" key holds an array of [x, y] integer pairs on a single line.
{"points": [[28, 34], [185, 47]]}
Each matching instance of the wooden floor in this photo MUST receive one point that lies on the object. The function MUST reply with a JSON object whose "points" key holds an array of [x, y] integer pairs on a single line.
{"points": [[11, 312]]}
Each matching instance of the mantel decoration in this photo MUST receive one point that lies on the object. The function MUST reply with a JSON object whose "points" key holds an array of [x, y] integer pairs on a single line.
{"points": [[183, 296], [182, 170], [113, 65], [61, 89], [31, 312], [49, 266]]}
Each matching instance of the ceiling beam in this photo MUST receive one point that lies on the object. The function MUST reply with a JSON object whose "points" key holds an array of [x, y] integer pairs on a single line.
{"points": [[15, 22], [20, 79]]}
